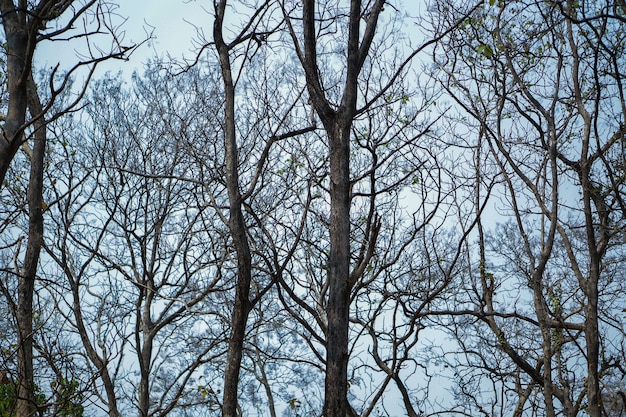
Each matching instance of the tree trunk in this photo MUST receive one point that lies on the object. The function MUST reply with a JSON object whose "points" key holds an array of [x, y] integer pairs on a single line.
{"points": [[18, 68], [25, 404], [22, 93], [337, 124], [592, 339], [144, 345], [337, 310], [241, 308], [92, 354]]}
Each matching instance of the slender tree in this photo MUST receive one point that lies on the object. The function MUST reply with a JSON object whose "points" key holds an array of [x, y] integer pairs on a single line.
{"points": [[138, 246], [547, 103], [236, 222], [246, 214], [337, 121], [25, 26]]}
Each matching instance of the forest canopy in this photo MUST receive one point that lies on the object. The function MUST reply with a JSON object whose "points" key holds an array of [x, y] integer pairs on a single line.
{"points": [[322, 208]]}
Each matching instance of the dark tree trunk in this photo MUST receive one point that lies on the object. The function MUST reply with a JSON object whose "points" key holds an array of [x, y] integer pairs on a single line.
{"points": [[338, 124], [338, 308], [237, 226], [21, 21], [22, 94], [19, 53], [25, 405]]}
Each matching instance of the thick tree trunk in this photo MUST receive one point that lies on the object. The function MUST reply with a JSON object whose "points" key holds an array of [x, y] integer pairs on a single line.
{"points": [[592, 339], [338, 123], [597, 239], [21, 21], [337, 310], [18, 68], [25, 403], [18, 80]]}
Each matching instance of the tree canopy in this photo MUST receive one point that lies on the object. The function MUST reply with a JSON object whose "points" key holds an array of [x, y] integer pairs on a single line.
{"points": [[327, 208]]}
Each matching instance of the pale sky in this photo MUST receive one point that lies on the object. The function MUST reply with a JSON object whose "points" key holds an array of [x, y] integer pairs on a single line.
{"points": [[170, 21]]}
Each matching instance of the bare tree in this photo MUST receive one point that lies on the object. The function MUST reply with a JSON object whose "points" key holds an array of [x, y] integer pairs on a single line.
{"points": [[547, 101], [236, 222], [354, 29], [25, 26], [246, 223], [221, 252], [141, 250]]}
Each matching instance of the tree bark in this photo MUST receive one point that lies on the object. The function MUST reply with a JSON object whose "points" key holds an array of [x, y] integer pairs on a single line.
{"points": [[19, 52], [237, 226], [337, 124], [338, 308], [25, 404], [144, 334]]}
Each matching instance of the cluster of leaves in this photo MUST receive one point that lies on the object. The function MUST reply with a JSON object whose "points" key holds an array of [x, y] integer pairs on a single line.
{"points": [[66, 400]]}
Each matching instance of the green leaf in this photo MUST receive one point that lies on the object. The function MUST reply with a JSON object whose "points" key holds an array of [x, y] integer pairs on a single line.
{"points": [[485, 50]]}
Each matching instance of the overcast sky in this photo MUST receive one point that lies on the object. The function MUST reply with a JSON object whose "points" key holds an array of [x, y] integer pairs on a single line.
{"points": [[170, 22]]}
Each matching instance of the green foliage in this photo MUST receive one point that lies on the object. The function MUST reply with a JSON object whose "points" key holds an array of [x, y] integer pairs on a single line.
{"points": [[484, 50], [7, 399], [502, 342], [68, 399]]}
